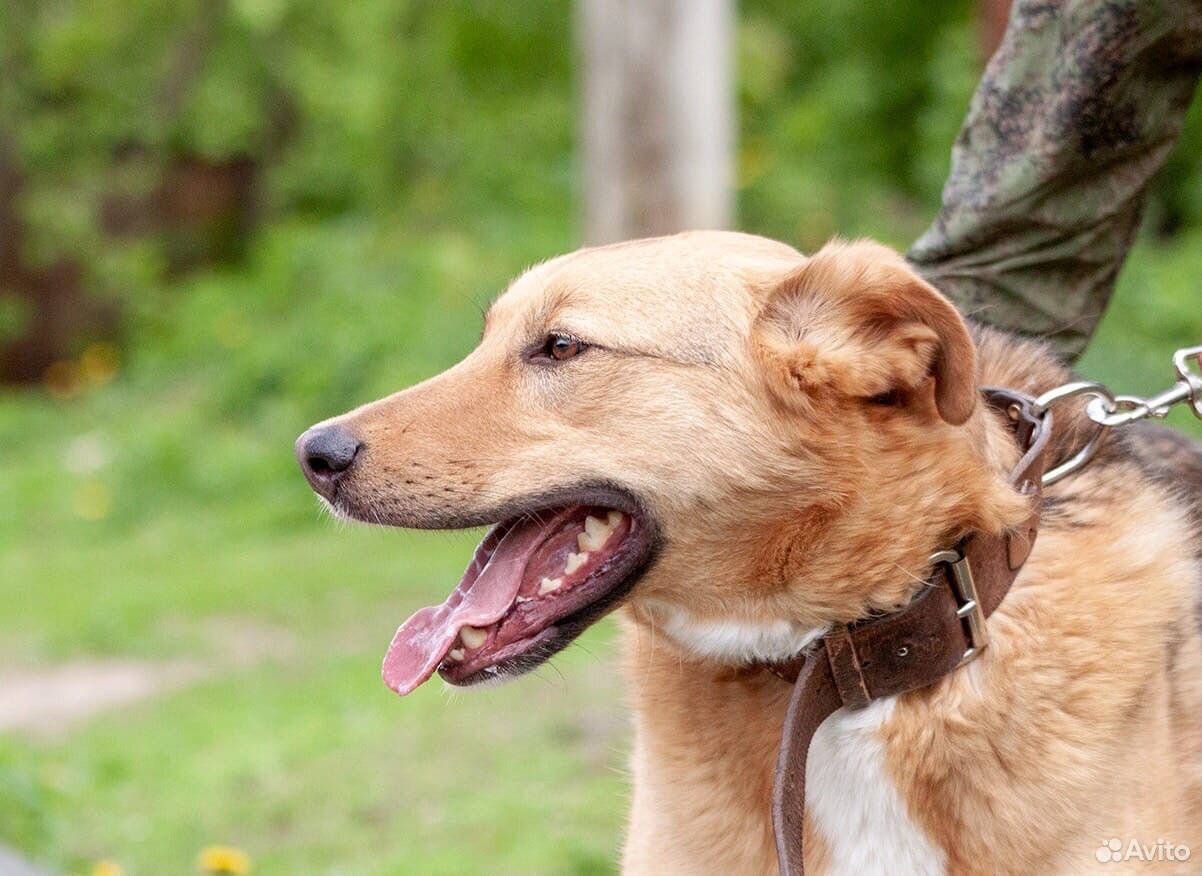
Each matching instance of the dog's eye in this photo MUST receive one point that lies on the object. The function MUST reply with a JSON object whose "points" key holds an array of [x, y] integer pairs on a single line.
{"points": [[559, 347]]}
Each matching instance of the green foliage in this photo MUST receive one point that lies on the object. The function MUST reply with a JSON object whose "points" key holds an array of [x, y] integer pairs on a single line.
{"points": [[849, 111], [440, 113], [1177, 190], [348, 107]]}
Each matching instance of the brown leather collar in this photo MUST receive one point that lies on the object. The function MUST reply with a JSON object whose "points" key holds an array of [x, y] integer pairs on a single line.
{"points": [[916, 646]]}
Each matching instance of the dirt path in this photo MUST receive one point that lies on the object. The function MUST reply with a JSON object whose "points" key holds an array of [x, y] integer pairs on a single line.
{"points": [[48, 700]]}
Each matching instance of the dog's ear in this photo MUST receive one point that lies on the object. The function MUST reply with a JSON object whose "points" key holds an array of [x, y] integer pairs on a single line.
{"points": [[857, 319]]}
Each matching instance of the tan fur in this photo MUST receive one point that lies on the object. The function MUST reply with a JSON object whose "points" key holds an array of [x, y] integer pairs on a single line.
{"points": [[806, 433]]}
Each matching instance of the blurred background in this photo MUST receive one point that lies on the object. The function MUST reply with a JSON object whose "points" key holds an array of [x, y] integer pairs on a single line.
{"points": [[223, 220]]}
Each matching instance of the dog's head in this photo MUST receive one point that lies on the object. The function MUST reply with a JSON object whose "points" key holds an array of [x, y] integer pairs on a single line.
{"points": [[741, 442]]}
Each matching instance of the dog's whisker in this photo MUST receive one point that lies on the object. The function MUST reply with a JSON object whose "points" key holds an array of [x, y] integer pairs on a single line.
{"points": [[563, 678], [910, 574], [577, 644]]}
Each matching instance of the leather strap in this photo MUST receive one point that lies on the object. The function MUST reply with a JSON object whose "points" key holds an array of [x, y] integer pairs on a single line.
{"points": [[814, 699], [910, 648]]}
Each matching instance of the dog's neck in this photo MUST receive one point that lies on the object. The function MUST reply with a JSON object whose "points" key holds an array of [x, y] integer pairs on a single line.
{"points": [[832, 565]]}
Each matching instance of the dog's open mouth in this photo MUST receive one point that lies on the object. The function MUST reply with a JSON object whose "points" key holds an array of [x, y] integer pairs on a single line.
{"points": [[535, 582]]}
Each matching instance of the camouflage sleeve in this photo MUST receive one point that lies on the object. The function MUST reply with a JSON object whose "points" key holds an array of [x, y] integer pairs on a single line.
{"points": [[1077, 109]]}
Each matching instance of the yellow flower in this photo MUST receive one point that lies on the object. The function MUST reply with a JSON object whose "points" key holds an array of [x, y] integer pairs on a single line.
{"points": [[224, 860], [107, 868]]}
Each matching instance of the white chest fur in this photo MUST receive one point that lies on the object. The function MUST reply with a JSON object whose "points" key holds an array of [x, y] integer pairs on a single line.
{"points": [[849, 794], [855, 805], [735, 641]]}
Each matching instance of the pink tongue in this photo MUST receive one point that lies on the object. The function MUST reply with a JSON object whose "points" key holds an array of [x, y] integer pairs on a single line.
{"points": [[480, 600]]}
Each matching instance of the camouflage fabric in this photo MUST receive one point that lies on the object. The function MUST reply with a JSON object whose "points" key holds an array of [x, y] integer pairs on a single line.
{"points": [[1076, 111]]}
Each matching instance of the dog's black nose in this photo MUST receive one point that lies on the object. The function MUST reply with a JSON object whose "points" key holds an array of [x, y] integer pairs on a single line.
{"points": [[325, 454]]}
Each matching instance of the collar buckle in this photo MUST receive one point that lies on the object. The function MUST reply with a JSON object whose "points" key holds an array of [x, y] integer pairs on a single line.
{"points": [[968, 610]]}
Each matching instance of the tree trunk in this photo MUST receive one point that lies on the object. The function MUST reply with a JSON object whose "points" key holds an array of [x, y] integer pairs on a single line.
{"points": [[658, 130]]}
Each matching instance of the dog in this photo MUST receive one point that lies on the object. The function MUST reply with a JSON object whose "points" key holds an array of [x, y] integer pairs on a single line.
{"points": [[738, 447]]}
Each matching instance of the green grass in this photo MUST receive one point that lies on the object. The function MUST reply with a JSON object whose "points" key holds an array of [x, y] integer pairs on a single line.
{"points": [[162, 518], [302, 758], [312, 767]]}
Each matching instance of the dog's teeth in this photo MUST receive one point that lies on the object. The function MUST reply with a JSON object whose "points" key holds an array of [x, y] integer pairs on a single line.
{"points": [[614, 518], [473, 637], [549, 585], [596, 534], [522, 599], [456, 654], [575, 561]]}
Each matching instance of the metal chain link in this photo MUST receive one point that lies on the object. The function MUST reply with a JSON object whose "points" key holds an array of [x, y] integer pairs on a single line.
{"points": [[1109, 410]]}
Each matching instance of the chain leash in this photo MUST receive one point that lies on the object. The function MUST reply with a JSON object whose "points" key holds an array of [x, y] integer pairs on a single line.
{"points": [[1108, 410]]}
